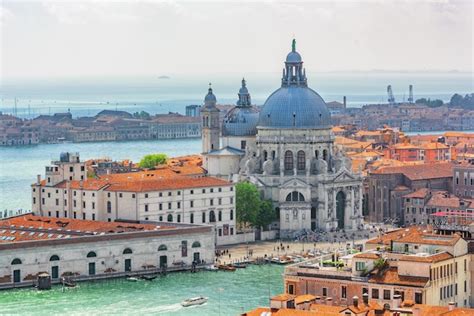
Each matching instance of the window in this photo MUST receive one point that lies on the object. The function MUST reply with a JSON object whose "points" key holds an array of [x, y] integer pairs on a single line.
{"points": [[419, 298], [191, 192], [160, 194], [360, 266], [146, 195], [291, 289], [160, 206], [109, 207], [231, 200], [219, 216], [196, 244], [232, 230], [108, 194], [191, 203], [219, 201], [146, 207], [295, 196], [83, 215], [120, 195], [91, 254], [169, 205], [386, 294], [301, 160], [127, 251], [54, 258], [133, 195], [160, 218], [162, 248], [231, 215], [93, 216], [243, 144], [170, 193], [179, 218], [74, 215], [16, 261], [42, 201], [191, 218], [325, 291], [93, 205], [288, 160], [220, 189], [343, 291], [203, 190], [84, 204], [203, 217], [375, 293], [170, 218]]}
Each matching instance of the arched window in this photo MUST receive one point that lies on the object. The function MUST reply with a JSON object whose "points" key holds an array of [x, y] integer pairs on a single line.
{"points": [[91, 254], [16, 261], [316, 154], [212, 217], [295, 196], [301, 160], [54, 258], [170, 218], [325, 155], [109, 207], [273, 155], [127, 251], [162, 248], [288, 160], [265, 155], [219, 216], [196, 244]]}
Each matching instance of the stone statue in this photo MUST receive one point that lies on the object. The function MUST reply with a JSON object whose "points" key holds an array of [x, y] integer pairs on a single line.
{"points": [[321, 166], [268, 167]]}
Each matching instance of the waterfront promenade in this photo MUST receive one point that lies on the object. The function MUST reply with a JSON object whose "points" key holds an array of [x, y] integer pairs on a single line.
{"points": [[276, 248]]}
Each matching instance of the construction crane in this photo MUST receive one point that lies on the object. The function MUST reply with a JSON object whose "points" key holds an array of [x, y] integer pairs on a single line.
{"points": [[410, 94], [391, 98]]}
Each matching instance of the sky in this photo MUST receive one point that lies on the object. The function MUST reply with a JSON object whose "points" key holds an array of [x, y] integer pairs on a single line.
{"points": [[55, 39]]}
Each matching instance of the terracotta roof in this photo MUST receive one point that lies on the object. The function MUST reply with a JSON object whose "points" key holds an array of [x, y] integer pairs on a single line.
{"points": [[89, 184], [418, 194], [304, 298], [421, 171], [429, 239], [444, 199], [167, 184], [283, 297], [430, 259], [367, 255], [326, 310], [258, 311], [391, 276]]}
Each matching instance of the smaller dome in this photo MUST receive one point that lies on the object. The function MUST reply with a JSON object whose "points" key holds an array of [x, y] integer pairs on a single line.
{"points": [[210, 97], [240, 121], [293, 57], [244, 90]]}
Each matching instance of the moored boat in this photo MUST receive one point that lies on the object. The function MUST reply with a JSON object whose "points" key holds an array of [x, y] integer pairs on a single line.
{"points": [[227, 268]]}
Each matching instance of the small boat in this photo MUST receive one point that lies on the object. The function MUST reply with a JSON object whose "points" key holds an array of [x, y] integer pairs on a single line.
{"points": [[194, 301], [239, 265], [227, 268], [211, 268], [132, 279], [148, 277]]}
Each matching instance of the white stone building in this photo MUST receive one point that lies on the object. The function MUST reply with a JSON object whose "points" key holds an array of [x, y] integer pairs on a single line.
{"points": [[287, 150], [66, 192], [84, 249]]}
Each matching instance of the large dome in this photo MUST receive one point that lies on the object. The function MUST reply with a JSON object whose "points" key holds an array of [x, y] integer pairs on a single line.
{"points": [[294, 107]]}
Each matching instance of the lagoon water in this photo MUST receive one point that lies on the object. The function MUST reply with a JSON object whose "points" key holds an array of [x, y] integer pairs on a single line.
{"points": [[229, 293], [87, 96]]}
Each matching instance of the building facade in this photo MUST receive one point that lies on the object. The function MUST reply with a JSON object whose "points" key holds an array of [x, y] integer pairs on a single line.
{"points": [[287, 150]]}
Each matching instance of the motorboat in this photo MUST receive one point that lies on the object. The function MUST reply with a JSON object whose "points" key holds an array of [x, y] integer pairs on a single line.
{"points": [[132, 279], [148, 277], [211, 268], [227, 268], [194, 301]]}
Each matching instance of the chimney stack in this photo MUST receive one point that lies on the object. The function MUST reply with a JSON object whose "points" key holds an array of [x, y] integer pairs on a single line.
{"points": [[355, 301], [329, 301], [38, 179], [451, 306], [416, 311], [108, 171], [397, 300], [365, 298], [318, 299]]}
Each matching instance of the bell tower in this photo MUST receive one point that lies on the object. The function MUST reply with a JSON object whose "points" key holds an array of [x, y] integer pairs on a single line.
{"points": [[210, 123]]}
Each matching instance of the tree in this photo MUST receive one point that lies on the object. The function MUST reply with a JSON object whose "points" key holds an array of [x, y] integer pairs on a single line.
{"points": [[142, 115], [431, 103], [266, 215], [150, 161], [247, 202]]}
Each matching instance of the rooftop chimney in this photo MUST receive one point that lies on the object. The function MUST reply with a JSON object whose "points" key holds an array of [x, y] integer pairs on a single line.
{"points": [[397, 298], [329, 301], [38, 179], [451, 306], [365, 298], [318, 299], [108, 171], [355, 301], [416, 311]]}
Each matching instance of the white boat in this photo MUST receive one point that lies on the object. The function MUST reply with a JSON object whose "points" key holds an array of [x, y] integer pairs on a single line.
{"points": [[132, 279], [194, 301], [211, 268]]}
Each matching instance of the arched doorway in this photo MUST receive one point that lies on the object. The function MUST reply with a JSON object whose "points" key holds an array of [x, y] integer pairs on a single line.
{"points": [[340, 209]]}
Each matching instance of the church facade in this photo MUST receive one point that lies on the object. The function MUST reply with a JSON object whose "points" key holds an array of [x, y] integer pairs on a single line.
{"points": [[287, 150]]}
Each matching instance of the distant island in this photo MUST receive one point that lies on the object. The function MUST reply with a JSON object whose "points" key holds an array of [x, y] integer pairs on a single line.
{"points": [[164, 77]]}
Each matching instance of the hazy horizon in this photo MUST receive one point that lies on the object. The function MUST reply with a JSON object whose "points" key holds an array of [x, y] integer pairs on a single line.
{"points": [[93, 39]]}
